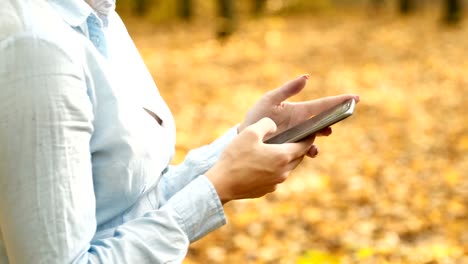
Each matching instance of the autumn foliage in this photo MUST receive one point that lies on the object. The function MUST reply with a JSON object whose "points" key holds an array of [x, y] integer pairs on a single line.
{"points": [[389, 186]]}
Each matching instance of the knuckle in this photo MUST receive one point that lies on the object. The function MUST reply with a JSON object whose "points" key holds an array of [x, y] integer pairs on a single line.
{"points": [[251, 134], [269, 121]]}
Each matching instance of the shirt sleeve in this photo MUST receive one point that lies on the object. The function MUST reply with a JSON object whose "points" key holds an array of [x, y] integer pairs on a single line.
{"points": [[47, 200], [197, 162]]}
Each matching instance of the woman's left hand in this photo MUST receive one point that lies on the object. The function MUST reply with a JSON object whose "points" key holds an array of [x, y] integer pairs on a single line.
{"points": [[287, 114]]}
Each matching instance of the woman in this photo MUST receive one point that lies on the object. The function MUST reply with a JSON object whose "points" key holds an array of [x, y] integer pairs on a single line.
{"points": [[86, 142]]}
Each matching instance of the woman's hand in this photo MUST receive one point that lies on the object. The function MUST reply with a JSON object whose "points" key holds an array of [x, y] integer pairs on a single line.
{"points": [[288, 114], [249, 168]]}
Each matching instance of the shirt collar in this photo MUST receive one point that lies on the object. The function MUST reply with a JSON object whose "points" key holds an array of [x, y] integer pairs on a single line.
{"points": [[76, 12], [73, 12]]}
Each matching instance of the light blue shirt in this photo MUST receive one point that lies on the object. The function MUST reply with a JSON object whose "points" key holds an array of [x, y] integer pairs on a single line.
{"points": [[84, 169]]}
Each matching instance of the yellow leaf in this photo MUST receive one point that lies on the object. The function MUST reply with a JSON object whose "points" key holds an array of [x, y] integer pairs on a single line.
{"points": [[364, 253], [452, 176], [463, 143], [318, 257]]}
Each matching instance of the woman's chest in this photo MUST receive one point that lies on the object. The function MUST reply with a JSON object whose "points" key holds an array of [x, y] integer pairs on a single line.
{"points": [[130, 147]]}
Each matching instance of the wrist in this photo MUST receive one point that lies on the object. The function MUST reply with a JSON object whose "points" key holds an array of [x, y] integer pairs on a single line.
{"points": [[219, 186]]}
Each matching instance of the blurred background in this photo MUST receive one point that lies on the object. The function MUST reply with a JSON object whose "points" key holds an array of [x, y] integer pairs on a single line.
{"points": [[390, 185]]}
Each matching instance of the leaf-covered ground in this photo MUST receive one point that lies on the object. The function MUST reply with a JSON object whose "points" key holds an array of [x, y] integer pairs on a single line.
{"points": [[389, 186]]}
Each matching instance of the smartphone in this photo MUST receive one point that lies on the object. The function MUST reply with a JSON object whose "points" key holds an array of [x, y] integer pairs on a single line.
{"points": [[315, 123]]}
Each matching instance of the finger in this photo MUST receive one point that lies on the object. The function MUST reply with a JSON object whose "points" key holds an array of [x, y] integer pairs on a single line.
{"points": [[292, 165], [314, 107], [325, 132], [298, 149], [313, 151], [286, 170], [263, 127], [287, 90]]}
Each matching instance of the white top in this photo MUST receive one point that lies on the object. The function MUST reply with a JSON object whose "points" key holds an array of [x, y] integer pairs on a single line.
{"points": [[84, 169]]}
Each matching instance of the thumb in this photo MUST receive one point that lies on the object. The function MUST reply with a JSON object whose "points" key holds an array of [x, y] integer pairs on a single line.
{"points": [[263, 127], [287, 90]]}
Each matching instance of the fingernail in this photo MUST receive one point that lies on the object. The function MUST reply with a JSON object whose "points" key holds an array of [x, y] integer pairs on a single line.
{"points": [[306, 76]]}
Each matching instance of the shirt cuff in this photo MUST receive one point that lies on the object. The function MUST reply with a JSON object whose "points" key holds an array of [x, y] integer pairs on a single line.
{"points": [[199, 208]]}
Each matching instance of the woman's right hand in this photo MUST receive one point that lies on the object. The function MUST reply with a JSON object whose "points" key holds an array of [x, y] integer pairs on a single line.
{"points": [[249, 168]]}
